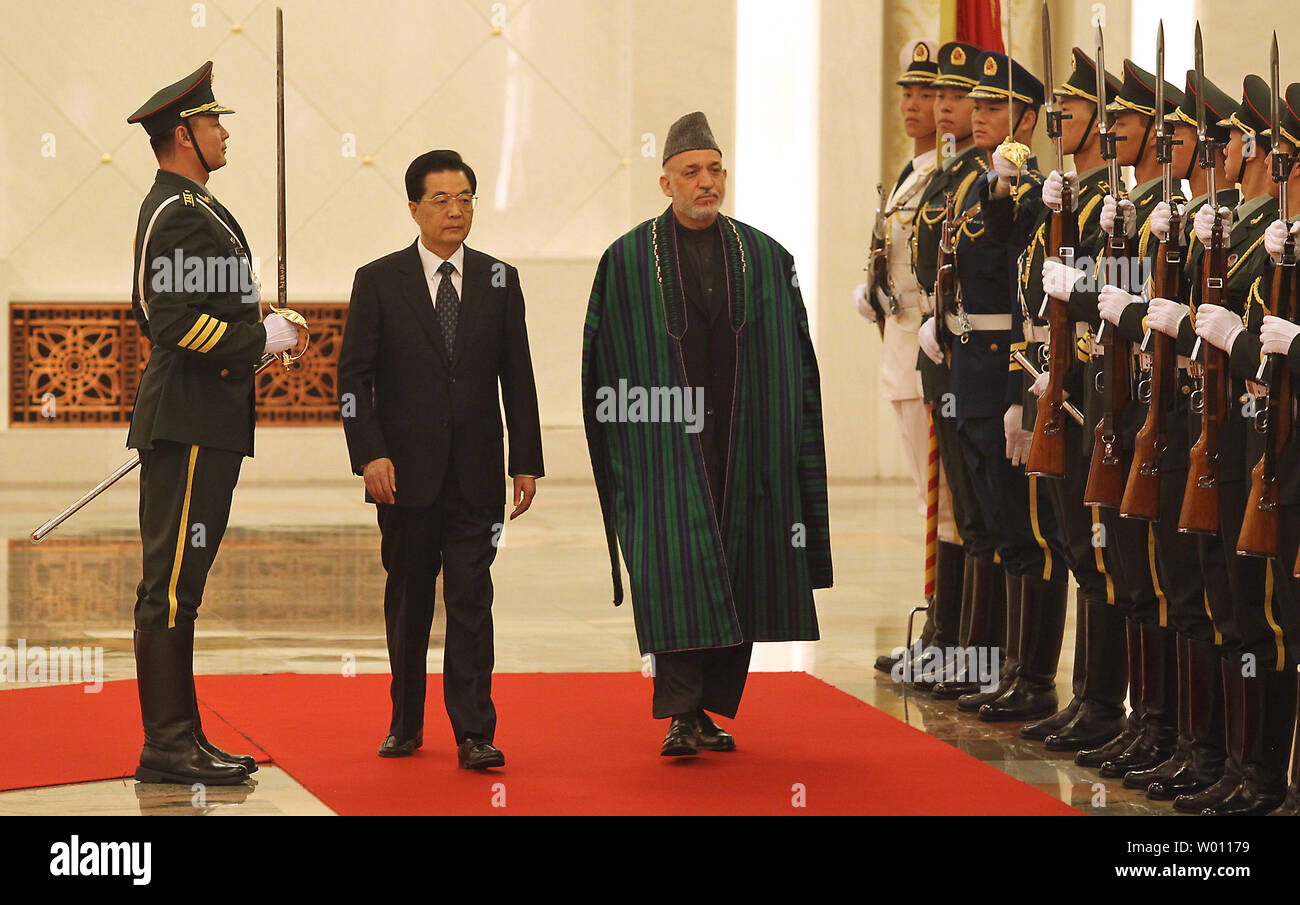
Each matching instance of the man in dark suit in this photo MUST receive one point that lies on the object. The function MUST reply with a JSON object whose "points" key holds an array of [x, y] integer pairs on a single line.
{"points": [[432, 329]]}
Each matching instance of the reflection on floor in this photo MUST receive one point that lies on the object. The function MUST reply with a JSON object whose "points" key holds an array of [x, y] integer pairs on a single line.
{"points": [[298, 587]]}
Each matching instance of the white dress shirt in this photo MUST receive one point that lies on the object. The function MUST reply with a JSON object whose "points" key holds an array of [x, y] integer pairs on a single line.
{"points": [[431, 262]]}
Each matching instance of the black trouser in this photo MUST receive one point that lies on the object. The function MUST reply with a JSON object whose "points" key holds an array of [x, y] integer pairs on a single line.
{"points": [[1247, 621], [184, 506], [1075, 521], [1019, 517], [1288, 596], [711, 679], [459, 539], [1179, 565], [971, 526]]}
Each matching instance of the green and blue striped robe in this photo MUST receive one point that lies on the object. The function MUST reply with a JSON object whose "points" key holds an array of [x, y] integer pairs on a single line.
{"points": [[701, 578]]}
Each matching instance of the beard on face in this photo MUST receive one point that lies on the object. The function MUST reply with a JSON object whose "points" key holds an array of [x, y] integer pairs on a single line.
{"points": [[698, 211]]}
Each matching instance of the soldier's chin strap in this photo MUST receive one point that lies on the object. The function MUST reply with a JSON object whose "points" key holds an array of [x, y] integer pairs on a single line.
{"points": [[1241, 173], [1087, 132], [1146, 134], [194, 141]]}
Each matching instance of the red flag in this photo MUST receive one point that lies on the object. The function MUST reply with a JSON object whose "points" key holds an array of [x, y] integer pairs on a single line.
{"points": [[979, 22]]}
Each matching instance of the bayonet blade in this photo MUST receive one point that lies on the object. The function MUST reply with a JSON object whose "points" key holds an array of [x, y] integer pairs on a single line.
{"points": [[1160, 78], [1200, 86], [1274, 104], [1047, 55], [1101, 82]]}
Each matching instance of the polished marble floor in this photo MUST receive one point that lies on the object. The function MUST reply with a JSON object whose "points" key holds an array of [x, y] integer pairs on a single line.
{"points": [[298, 588]]}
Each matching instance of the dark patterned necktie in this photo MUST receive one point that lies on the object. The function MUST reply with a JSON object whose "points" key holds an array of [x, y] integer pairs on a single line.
{"points": [[448, 306]]}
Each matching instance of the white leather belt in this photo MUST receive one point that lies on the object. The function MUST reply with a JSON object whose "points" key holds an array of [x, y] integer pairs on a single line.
{"points": [[1080, 330], [1184, 362], [1037, 333], [978, 323]]}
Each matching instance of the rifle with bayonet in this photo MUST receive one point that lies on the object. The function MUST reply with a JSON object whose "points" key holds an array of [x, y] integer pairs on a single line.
{"points": [[1142, 493], [1200, 511], [1106, 471], [945, 284], [1047, 448], [878, 263], [1258, 536]]}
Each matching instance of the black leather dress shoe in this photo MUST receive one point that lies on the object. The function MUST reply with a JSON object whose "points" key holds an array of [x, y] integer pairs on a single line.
{"points": [[683, 738], [391, 747], [713, 737], [478, 754]]}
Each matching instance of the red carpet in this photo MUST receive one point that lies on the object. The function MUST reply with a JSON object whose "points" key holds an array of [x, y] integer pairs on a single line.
{"points": [[574, 744], [59, 734]]}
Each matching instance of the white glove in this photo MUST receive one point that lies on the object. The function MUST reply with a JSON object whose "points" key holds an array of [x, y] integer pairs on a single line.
{"points": [[1276, 334], [1039, 386], [929, 344], [1018, 439], [1218, 326], [1275, 238], [1164, 316], [1160, 217], [1006, 170], [1053, 186], [1205, 223], [1059, 279], [1109, 209], [1112, 301], [280, 334], [860, 299]]}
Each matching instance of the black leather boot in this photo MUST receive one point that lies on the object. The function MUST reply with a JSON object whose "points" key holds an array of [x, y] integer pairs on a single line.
{"points": [[1042, 627], [1037, 730], [1159, 734], [950, 567], [1096, 756], [1100, 716], [1010, 604], [1291, 804], [164, 670], [244, 760], [1268, 723], [983, 621], [1205, 754], [1166, 769], [1214, 795]]}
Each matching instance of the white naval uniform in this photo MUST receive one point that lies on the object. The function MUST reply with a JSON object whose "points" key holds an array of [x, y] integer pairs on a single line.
{"points": [[900, 381]]}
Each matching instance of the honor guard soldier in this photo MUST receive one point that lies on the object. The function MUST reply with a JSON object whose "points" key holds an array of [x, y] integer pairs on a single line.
{"points": [[1156, 562], [1096, 710], [983, 582], [1277, 335], [1198, 754], [1259, 688], [894, 301], [196, 299], [987, 395]]}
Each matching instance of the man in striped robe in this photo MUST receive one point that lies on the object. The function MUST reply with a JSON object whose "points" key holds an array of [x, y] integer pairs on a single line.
{"points": [[702, 407]]}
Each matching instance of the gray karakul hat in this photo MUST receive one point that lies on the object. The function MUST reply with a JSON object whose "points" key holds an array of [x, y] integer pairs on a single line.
{"points": [[690, 133]]}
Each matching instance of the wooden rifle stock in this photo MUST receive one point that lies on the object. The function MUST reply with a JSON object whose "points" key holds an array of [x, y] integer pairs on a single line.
{"points": [[1142, 493], [1258, 536], [1106, 471], [1047, 448], [1200, 512]]}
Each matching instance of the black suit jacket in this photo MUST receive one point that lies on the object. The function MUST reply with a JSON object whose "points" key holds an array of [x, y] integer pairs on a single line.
{"points": [[403, 399]]}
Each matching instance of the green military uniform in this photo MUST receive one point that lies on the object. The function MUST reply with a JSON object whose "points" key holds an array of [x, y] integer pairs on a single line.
{"points": [[1259, 687], [195, 298], [1096, 707]]}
